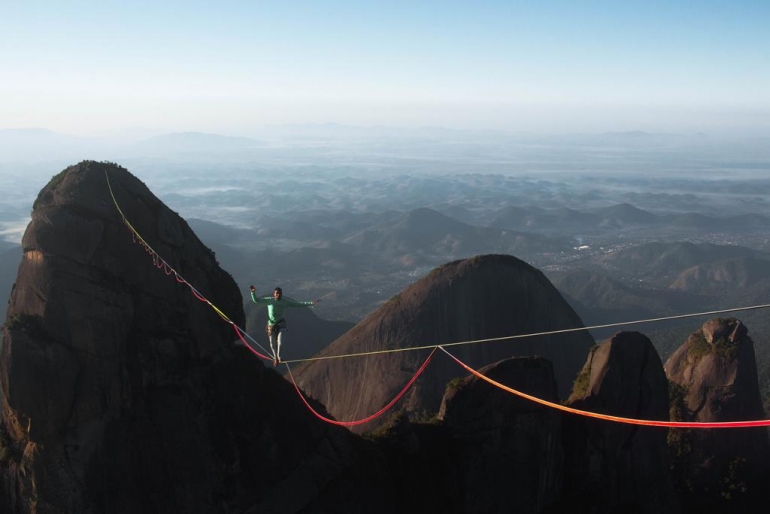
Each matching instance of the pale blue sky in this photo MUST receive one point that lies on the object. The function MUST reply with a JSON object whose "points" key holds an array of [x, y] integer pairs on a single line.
{"points": [[229, 67]]}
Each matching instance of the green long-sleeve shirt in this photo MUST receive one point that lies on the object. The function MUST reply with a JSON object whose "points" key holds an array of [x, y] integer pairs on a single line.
{"points": [[275, 307]]}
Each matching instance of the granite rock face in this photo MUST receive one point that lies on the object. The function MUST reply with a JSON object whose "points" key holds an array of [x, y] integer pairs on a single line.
{"points": [[123, 393], [478, 298], [505, 443], [715, 379], [615, 467]]}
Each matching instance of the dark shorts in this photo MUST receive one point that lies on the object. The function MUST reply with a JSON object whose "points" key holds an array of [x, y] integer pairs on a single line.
{"points": [[275, 328]]}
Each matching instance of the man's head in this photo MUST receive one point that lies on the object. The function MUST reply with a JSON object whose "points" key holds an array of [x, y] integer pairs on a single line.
{"points": [[277, 293]]}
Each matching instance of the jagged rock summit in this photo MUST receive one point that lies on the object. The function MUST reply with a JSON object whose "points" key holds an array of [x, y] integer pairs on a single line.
{"points": [[505, 442], [123, 393], [715, 379], [478, 298], [717, 368], [615, 467]]}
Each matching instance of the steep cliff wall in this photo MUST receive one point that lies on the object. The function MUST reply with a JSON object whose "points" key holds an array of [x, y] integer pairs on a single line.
{"points": [[504, 443], [123, 393], [614, 467]]}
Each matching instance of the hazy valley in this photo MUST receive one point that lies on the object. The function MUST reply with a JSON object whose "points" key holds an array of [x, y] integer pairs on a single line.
{"points": [[627, 225]]}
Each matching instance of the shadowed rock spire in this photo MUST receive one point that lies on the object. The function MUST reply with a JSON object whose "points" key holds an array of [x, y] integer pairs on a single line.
{"points": [[615, 467], [505, 443]]}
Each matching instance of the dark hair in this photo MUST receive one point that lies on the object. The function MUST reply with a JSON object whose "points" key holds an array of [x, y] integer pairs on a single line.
{"points": [[278, 289]]}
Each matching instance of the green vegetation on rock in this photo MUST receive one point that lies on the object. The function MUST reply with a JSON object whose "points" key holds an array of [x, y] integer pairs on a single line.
{"points": [[679, 440], [581, 383], [722, 347], [699, 348]]}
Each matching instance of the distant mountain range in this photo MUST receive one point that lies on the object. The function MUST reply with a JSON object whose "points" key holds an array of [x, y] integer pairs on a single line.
{"points": [[430, 233], [41, 144], [669, 259], [192, 142], [433, 143], [621, 216], [745, 277]]}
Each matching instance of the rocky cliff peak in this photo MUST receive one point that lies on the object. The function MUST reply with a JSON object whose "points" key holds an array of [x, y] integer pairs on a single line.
{"points": [[714, 378], [503, 441], [612, 466], [121, 391], [482, 297], [717, 368]]}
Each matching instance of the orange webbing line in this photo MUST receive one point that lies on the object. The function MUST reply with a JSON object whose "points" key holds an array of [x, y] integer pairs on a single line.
{"points": [[368, 418], [616, 419]]}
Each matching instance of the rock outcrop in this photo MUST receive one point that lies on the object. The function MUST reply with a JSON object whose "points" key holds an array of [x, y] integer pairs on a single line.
{"points": [[505, 443], [123, 393], [714, 377], [482, 297], [614, 467]]}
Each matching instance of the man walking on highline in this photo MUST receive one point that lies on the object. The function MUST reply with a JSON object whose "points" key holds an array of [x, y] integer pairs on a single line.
{"points": [[276, 323]]}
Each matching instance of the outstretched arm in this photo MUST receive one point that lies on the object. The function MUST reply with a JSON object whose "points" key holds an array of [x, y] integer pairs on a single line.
{"points": [[254, 298], [292, 303]]}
